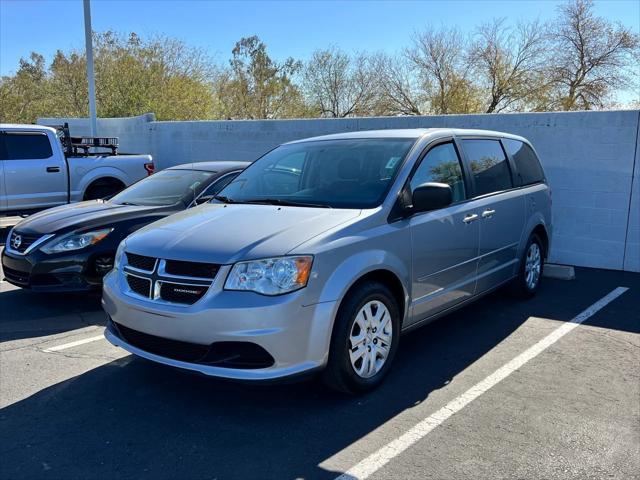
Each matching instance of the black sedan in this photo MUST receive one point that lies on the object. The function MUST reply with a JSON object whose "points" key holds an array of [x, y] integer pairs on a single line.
{"points": [[70, 248]]}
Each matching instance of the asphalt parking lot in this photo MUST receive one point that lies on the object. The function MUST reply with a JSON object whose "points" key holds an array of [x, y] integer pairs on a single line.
{"points": [[73, 406]]}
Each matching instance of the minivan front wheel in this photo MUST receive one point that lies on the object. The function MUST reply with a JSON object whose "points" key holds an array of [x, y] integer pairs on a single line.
{"points": [[365, 339]]}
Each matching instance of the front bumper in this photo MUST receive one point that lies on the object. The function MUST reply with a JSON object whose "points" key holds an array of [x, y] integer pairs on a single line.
{"points": [[295, 336], [50, 273]]}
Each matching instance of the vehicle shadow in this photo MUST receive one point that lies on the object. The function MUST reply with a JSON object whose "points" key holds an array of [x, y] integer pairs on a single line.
{"points": [[27, 314], [133, 419]]}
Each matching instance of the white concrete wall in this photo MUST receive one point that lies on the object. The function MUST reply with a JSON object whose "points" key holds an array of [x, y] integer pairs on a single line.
{"points": [[589, 158]]}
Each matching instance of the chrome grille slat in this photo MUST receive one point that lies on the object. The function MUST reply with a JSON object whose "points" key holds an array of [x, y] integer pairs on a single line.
{"points": [[164, 287]]}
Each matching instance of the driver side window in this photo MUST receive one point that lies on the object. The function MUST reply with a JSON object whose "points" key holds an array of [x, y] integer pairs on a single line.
{"points": [[441, 164]]}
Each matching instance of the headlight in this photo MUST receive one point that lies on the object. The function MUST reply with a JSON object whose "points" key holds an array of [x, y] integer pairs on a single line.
{"points": [[75, 241], [117, 261], [270, 276]]}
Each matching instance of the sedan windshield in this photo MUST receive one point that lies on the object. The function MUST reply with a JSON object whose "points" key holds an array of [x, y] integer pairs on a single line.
{"points": [[354, 173], [167, 187]]}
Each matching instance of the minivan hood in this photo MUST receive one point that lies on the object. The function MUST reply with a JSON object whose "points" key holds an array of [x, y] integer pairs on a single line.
{"points": [[224, 234], [87, 214]]}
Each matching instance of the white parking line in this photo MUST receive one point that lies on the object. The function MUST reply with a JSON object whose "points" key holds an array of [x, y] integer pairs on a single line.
{"points": [[64, 346], [379, 459]]}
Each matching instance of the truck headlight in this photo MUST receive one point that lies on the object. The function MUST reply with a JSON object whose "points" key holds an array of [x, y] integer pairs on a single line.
{"points": [[75, 241], [271, 276]]}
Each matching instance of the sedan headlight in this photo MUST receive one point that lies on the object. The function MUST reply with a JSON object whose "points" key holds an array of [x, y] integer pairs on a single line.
{"points": [[75, 241], [270, 276]]}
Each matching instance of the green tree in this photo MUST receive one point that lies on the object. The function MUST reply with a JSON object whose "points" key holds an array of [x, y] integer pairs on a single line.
{"points": [[256, 87], [133, 76], [24, 95]]}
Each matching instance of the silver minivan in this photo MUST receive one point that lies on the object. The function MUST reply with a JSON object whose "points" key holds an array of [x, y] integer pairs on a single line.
{"points": [[322, 252]]}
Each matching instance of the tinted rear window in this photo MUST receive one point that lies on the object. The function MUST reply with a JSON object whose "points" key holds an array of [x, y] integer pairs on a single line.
{"points": [[489, 166], [528, 166], [24, 146]]}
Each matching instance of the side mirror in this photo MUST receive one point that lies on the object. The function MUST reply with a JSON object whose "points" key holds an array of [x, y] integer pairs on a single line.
{"points": [[431, 196], [204, 199]]}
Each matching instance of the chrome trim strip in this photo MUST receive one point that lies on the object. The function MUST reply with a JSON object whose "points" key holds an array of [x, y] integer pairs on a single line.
{"points": [[30, 248], [163, 273], [157, 277], [136, 294], [140, 270]]}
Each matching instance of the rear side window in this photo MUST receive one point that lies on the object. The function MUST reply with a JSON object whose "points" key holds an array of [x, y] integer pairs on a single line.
{"points": [[489, 166], [441, 165], [24, 146], [528, 169]]}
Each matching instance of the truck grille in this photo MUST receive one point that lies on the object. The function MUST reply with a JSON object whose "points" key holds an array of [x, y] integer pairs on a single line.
{"points": [[19, 242], [168, 281]]}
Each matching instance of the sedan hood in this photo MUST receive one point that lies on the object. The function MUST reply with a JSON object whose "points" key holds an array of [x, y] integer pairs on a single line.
{"points": [[228, 233], [80, 215]]}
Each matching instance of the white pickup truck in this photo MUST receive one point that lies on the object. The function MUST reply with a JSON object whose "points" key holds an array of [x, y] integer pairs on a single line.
{"points": [[41, 167]]}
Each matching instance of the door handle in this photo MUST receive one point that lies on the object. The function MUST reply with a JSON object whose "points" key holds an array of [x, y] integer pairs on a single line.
{"points": [[470, 218], [488, 213], [53, 169]]}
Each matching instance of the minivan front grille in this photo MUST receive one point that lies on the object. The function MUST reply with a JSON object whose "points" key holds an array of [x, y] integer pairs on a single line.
{"points": [[181, 293], [141, 262], [191, 269], [168, 281], [141, 286]]}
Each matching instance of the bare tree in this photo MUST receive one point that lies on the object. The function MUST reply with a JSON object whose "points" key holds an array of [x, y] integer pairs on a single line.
{"points": [[338, 85], [592, 57], [509, 62], [398, 89], [442, 62]]}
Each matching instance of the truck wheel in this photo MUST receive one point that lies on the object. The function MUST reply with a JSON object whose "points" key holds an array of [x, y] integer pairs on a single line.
{"points": [[103, 188], [364, 340], [526, 284]]}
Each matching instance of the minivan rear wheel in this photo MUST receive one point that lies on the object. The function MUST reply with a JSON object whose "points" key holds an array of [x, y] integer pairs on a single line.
{"points": [[365, 339], [526, 284]]}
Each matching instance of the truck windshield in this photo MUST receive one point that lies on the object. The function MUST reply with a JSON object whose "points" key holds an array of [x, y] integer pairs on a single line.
{"points": [[351, 173], [167, 187]]}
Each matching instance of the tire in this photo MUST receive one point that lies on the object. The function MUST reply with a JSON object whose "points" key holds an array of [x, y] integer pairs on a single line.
{"points": [[356, 377], [102, 190], [527, 283]]}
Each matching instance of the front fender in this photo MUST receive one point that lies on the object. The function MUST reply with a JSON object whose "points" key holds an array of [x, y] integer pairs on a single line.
{"points": [[355, 266]]}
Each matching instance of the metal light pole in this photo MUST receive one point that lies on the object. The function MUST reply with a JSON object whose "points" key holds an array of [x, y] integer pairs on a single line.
{"points": [[90, 75]]}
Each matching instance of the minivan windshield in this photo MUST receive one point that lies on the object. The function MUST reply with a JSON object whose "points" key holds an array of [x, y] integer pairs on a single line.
{"points": [[167, 187], [349, 173]]}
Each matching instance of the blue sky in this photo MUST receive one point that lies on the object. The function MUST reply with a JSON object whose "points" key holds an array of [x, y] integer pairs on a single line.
{"points": [[289, 28]]}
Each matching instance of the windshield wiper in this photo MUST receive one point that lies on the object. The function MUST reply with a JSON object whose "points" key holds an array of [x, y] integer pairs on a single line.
{"points": [[223, 199], [129, 203], [284, 203]]}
